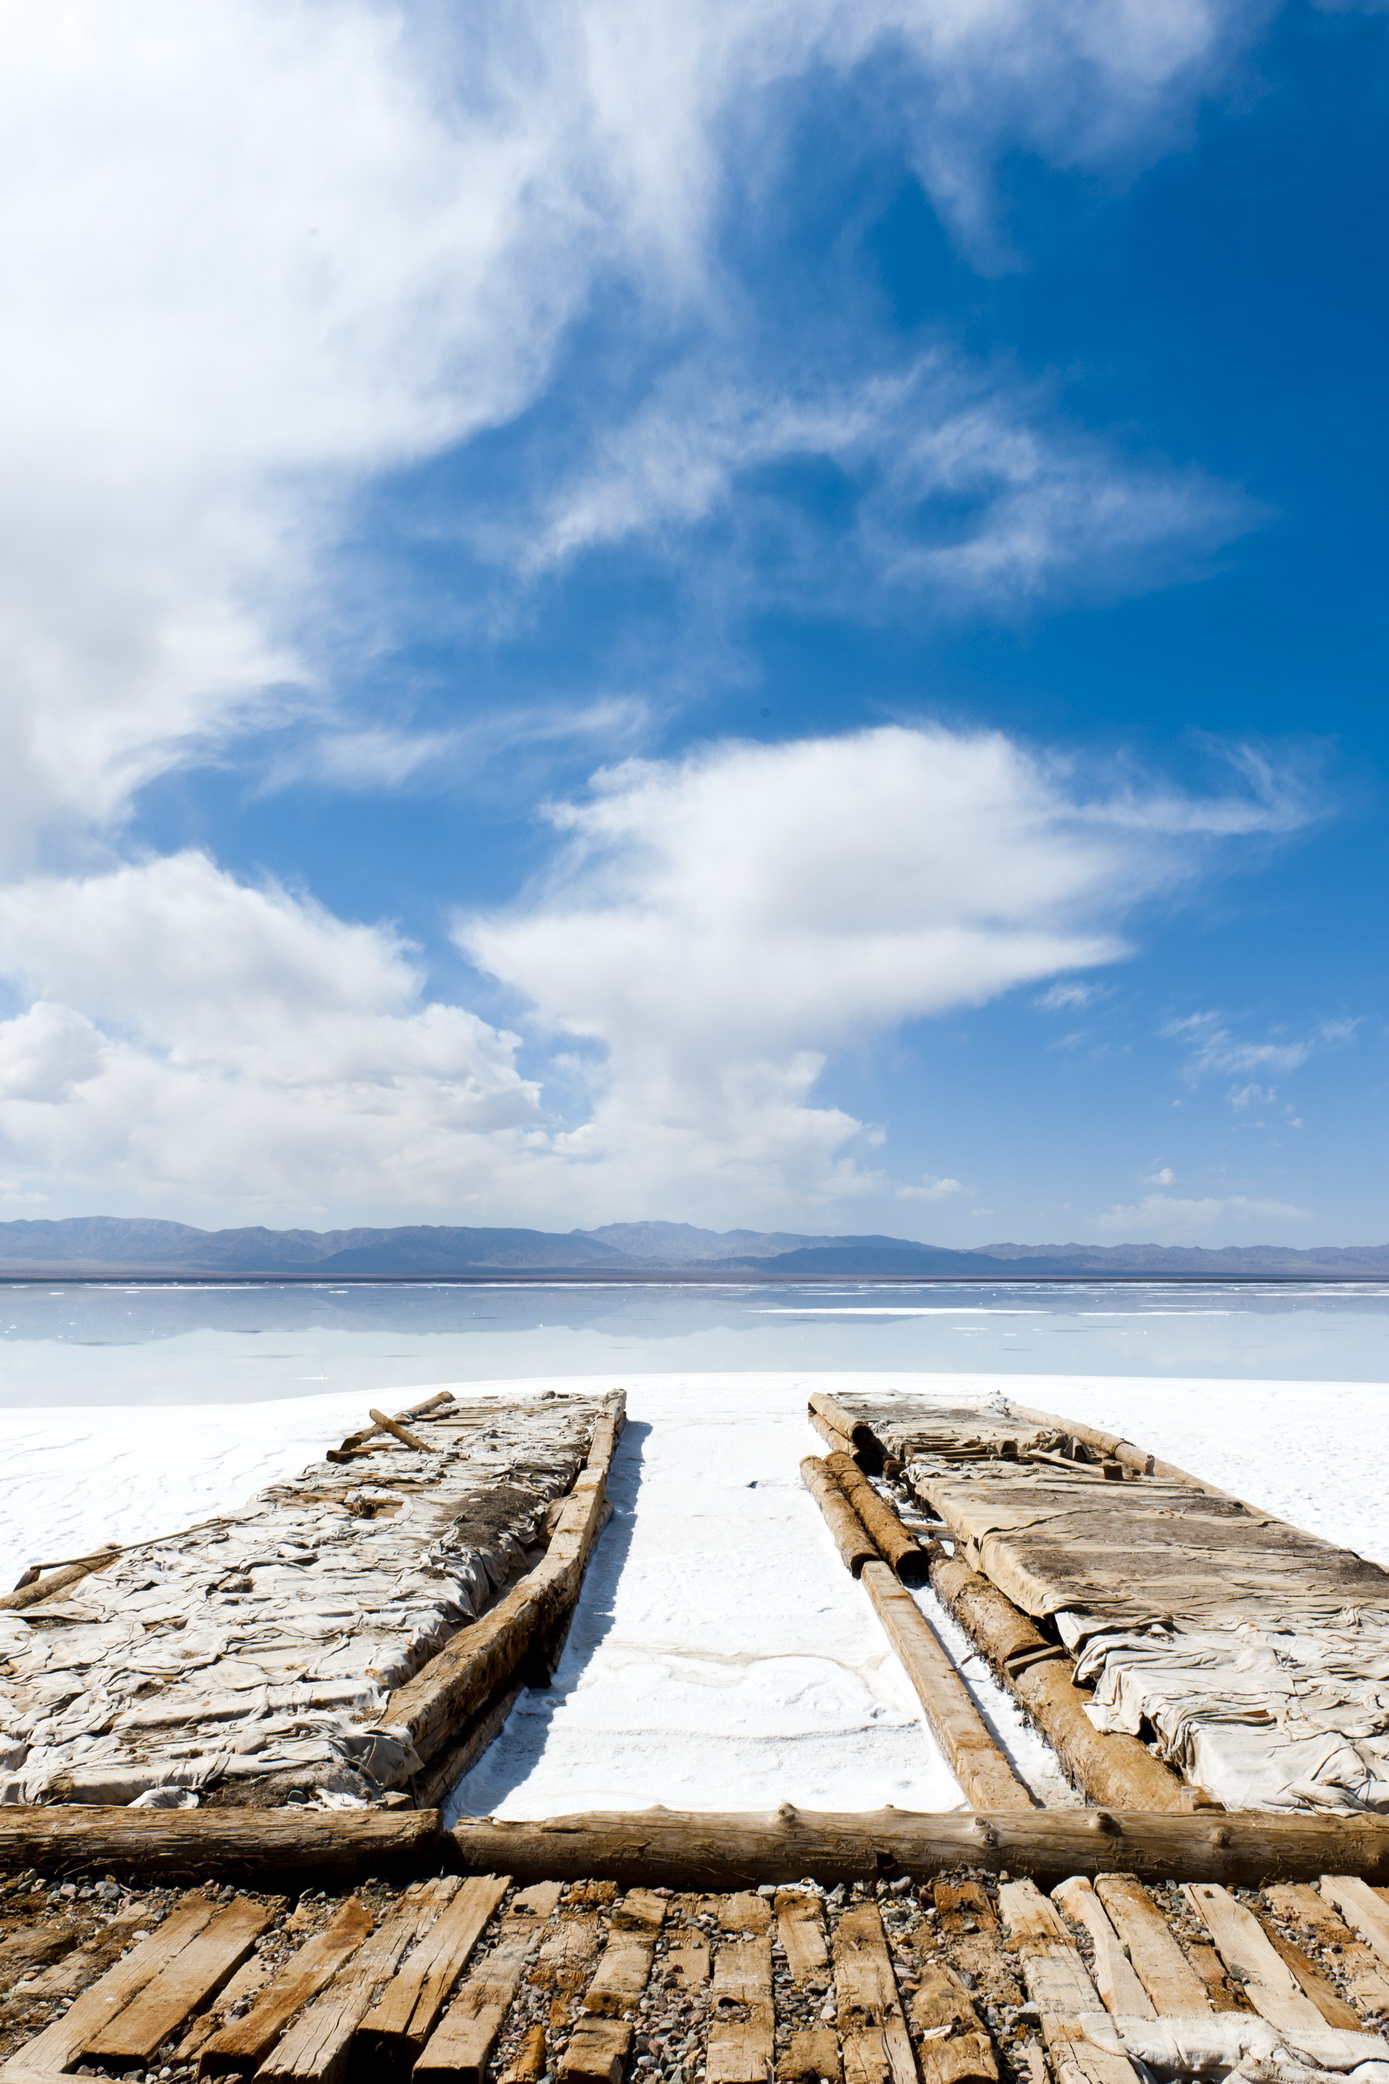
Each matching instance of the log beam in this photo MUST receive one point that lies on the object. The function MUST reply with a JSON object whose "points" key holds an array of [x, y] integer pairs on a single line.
{"points": [[153, 1846], [896, 1546], [716, 1853], [855, 1545]]}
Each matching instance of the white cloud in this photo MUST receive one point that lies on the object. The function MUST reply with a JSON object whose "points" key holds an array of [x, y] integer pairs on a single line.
{"points": [[1163, 1219], [1164, 1177], [1212, 1047], [717, 924], [212, 1046], [931, 1189], [1062, 998], [255, 253]]}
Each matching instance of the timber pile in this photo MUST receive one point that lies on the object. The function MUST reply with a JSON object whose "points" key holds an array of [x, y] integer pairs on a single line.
{"points": [[1140, 1615], [963, 1980], [291, 1651]]}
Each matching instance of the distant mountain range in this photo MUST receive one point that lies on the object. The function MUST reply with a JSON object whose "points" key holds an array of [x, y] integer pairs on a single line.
{"points": [[95, 1245]]}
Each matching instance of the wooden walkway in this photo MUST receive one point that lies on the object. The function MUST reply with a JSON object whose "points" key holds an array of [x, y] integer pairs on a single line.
{"points": [[965, 1978]]}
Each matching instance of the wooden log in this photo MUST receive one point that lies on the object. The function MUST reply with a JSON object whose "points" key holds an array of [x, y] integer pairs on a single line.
{"points": [[63, 2044], [401, 2021], [1159, 1963], [852, 1539], [185, 1983], [1363, 1971], [1244, 1947], [156, 1846], [244, 2043], [837, 1443], [1115, 1448], [873, 2033], [317, 2047], [742, 2028], [447, 1767], [894, 1544], [800, 1925], [1346, 1887], [954, 2047], [1059, 1987], [1114, 1974], [712, 1851], [399, 1432], [44, 1587], [971, 1751], [1113, 1769], [430, 1709], [364, 1433], [864, 1443]]}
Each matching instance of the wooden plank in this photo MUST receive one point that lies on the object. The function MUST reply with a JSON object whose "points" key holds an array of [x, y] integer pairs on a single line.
{"points": [[1244, 1947], [800, 1926], [596, 2051], [1362, 1970], [315, 2050], [244, 2043], [1113, 1972], [622, 1972], [568, 1952], [972, 1753], [969, 1923], [196, 1973], [873, 2033], [1060, 1988], [1162, 1968], [64, 2043], [745, 1912], [953, 2046], [1310, 1980], [1361, 1907], [528, 2064], [687, 1965], [243, 1989], [405, 2014], [460, 2045], [812, 2057], [80, 1966], [742, 2023]]}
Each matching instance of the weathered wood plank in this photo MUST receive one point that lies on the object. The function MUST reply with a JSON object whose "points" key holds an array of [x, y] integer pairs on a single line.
{"points": [[1114, 1973], [460, 2045], [742, 2029], [404, 2016], [1159, 1963], [1244, 1947], [1361, 1907], [971, 1751], [709, 1851], [186, 1982], [64, 2043], [596, 2050], [315, 2050], [1310, 1980], [625, 1964], [953, 2047], [812, 2057], [800, 1925], [1060, 1988], [1364, 1972], [970, 1926], [873, 2033], [745, 1911], [244, 2043]]}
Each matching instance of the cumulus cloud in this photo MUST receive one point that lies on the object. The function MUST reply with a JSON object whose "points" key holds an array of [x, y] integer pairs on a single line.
{"points": [[717, 924], [193, 1038]]}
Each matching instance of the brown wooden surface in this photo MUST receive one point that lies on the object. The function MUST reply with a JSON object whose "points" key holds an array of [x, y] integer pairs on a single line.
{"points": [[1059, 1986], [862, 1441], [1243, 1945], [698, 1850], [855, 1544], [405, 2014], [837, 1442], [954, 2047], [1344, 1883], [1159, 1963], [895, 1545], [244, 2043], [742, 2028], [800, 1925], [1114, 1974], [242, 1845], [316, 2048], [1365, 1974], [971, 1751], [872, 2030], [1310, 1980], [56, 1581], [184, 1984]]}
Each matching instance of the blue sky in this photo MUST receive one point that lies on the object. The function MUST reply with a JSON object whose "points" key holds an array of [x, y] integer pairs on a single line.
{"points": [[771, 619]]}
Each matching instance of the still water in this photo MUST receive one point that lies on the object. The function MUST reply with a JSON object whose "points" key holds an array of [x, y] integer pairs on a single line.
{"points": [[92, 1343]]}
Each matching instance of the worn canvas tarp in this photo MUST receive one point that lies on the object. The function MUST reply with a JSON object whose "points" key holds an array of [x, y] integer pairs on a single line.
{"points": [[1253, 1656]]}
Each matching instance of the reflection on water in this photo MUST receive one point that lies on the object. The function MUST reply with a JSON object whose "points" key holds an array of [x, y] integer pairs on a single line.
{"points": [[118, 1343]]}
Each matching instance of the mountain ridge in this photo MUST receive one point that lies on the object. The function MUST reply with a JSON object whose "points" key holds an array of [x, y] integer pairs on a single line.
{"points": [[95, 1246]]}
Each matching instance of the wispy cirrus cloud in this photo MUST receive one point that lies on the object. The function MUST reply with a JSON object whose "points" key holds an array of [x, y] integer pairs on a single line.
{"points": [[1213, 1048]]}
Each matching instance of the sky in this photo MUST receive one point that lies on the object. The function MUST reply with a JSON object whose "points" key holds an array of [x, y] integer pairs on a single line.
{"points": [[765, 615]]}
